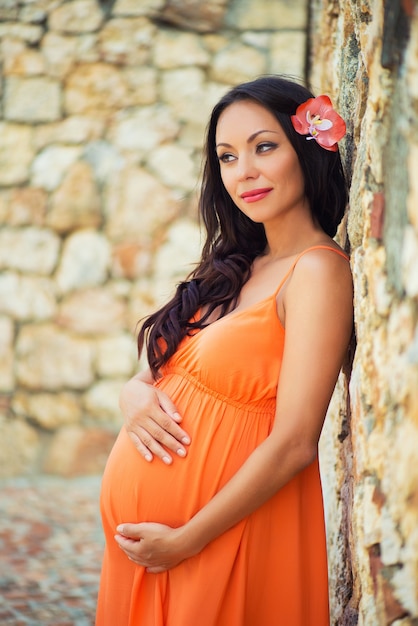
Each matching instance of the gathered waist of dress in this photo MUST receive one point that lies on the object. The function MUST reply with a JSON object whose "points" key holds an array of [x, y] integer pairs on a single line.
{"points": [[264, 405]]}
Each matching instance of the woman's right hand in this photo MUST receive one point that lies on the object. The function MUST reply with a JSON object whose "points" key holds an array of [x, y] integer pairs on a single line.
{"points": [[152, 420]]}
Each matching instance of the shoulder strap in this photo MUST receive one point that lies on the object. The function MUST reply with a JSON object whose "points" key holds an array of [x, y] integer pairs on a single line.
{"points": [[292, 267]]}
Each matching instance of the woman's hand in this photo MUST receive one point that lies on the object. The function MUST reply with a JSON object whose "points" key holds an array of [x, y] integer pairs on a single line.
{"points": [[152, 420], [154, 546]]}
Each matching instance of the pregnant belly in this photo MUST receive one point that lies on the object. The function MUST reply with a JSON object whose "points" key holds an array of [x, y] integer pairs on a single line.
{"points": [[223, 436], [135, 490]]}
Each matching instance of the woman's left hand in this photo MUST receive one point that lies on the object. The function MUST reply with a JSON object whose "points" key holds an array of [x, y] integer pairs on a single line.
{"points": [[154, 546]]}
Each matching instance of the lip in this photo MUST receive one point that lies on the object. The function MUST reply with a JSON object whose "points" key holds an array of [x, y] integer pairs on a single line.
{"points": [[255, 194]]}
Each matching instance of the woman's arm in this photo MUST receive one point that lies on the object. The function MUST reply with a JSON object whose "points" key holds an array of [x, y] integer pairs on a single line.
{"points": [[151, 419], [318, 310]]}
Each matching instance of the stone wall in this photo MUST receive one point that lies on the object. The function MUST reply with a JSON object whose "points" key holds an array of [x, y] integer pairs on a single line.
{"points": [[103, 108], [366, 57]]}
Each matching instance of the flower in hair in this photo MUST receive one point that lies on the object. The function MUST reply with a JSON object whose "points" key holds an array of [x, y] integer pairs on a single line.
{"points": [[317, 119]]}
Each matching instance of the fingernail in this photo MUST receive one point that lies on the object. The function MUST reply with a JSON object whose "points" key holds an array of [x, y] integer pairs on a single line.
{"points": [[119, 529], [185, 440], [148, 457], [181, 452], [177, 416], [166, 460]]}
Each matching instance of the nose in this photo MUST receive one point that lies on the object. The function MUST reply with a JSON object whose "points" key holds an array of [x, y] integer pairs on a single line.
{"points": [[246, 168]]}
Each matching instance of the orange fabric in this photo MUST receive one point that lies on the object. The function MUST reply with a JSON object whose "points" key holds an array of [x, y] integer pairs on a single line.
{"points": [[268, 570]]}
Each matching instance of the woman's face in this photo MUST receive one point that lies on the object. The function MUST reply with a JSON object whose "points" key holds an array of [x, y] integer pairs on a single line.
{"points": [[259, 166]]}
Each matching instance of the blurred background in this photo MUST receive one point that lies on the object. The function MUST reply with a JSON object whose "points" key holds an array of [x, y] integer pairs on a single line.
{"points": [[103, 108]]}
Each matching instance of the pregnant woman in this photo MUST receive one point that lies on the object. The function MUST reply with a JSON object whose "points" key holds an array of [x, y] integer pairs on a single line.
{"points": [[248, 352]]}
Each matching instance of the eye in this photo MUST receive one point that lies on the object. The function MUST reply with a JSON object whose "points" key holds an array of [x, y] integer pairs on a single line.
{"points": [[266, 146], [226, 157]]}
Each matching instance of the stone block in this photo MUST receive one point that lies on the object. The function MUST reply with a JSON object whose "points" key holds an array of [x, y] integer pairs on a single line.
{"points": [[142, 83], [127, 41], [94, 87], [92, 312], [16, 153], [85, 261], [49, 410], [76, 203], [192, 135], [59, 52], [175, 258], [8, 10], [33, 99], [189, 95], [77, 451], [51, 164], [257, 39], [49, 359], [78, 16], [138, 206], [30, 249], [75, 129], [104, 159], [216, 41], [237, 63], [173, 49], [19, 59], [34, 13], [31, 33], [195, 15], [143, 129], [87, 50], [26, 298], [174, 166], [116, 356], [287, 52], [130, 261], [267, 14], [27, 206], [101, 402]]}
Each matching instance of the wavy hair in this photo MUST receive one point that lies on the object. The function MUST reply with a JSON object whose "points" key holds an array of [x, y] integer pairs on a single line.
{"points": [[233, 240]]}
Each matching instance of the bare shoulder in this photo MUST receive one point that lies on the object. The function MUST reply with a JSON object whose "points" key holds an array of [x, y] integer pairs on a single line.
{"points": [[324, 265], [321, 280], [318, 303]]}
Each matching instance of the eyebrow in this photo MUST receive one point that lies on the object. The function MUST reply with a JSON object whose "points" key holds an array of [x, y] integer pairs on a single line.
{"points": [[250, 138]]}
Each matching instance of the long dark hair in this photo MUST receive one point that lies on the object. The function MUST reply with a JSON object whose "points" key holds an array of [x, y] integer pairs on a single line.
{"points": [[232, 239]]}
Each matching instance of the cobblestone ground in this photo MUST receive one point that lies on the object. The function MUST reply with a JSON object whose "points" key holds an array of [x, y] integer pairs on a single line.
{"points": [[51, 547]]}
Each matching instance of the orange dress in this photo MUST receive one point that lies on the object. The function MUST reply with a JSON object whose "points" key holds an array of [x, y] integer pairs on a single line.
{"points": [[268, 570]]}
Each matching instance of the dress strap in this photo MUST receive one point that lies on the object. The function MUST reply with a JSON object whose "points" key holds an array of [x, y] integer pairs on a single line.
{"points": [[318, 247]]}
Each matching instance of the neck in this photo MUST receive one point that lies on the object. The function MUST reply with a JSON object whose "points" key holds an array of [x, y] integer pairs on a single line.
{"points": [[292, 234]]}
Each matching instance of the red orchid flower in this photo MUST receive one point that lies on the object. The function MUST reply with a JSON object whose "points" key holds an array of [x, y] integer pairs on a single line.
{"points": [[317, 118]]}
